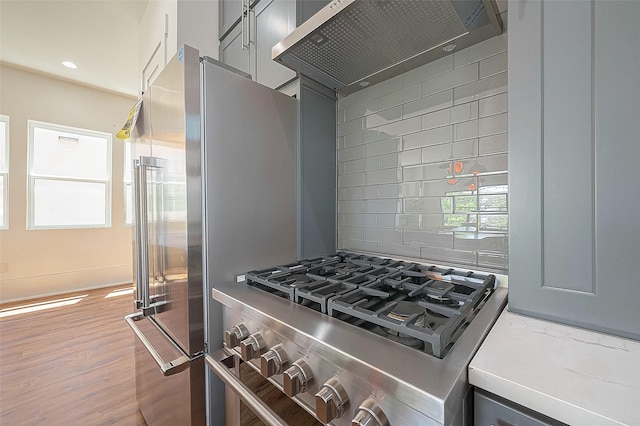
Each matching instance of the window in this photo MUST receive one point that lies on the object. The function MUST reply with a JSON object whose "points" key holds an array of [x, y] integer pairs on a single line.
{"points": [[69, 177], [4, 171]]}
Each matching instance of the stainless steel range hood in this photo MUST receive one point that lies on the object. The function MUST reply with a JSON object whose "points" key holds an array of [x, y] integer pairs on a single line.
{"points": [[350, 44]]}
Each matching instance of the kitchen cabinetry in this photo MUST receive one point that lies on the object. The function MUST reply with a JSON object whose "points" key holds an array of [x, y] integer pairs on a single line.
{"points": [[169, 24], [156, 44], [249, 30], [229, 13], [247, 46], [576, 376], [305, 9], [573, 159], [317, 190], [317, 162], [232, 51], [274, 20], [489, 409]]}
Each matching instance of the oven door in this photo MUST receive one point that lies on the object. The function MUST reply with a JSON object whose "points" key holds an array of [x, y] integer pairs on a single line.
{"points": [[252, 399]]}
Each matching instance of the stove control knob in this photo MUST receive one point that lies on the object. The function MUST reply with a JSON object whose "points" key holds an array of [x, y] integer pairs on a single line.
{"points": [[234, 336], [297, 378], [331, 401], [252, 347], [273, 361], [370, 414]]}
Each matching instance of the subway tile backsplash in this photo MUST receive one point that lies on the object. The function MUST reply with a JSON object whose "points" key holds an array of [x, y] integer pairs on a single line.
{"points": [[422, 162]]}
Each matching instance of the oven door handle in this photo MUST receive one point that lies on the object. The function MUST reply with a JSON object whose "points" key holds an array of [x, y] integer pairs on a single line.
{"points": [[260, 409]]}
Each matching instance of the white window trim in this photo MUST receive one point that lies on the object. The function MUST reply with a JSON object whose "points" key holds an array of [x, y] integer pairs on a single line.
{"points": [[32, 124], [5, 174]]}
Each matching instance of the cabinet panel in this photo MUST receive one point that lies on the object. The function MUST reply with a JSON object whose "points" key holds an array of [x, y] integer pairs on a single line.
{"points": [[574, 241], [307, 8], [317, 170], [567, 98], [158, 37], [491, 410], [154, 65], [229, 13], [274, 20], [231, 52]]}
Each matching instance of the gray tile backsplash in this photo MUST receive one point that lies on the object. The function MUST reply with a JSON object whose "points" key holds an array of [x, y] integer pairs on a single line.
{"points": [[482, 88], [422, 162], [427, 104]]}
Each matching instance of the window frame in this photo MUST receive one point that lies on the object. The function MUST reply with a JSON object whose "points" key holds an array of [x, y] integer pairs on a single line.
{"points": [[31, 126], [4, 225]]}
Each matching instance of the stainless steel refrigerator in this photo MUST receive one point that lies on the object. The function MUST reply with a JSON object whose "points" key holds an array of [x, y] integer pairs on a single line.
{"points": [[215, 195]]}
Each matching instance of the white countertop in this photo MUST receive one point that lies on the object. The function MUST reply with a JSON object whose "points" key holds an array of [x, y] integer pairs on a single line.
{"points": [[576, 376]]}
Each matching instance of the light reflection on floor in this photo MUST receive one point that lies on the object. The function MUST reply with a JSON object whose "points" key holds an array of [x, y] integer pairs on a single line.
{"points": [[120, 292], [33, 307]]}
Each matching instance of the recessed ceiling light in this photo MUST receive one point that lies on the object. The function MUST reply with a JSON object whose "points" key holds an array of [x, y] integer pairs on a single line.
{"points": [[364, 83], [449, 47], [69, 64]]}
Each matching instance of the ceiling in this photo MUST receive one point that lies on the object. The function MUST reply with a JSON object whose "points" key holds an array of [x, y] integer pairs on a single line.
{"points": [[100, 36]]}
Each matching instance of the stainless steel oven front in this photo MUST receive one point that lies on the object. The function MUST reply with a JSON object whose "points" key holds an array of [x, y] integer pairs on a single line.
{"points": [[249, 398], [342, 374]]}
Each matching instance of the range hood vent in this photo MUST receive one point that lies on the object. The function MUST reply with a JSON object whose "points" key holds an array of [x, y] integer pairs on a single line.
{"points": [[352, 43]]}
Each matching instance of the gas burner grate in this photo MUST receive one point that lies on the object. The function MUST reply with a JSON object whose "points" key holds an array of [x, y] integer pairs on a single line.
{"points": [[367, 291], [319, 293], [283, 280], [448, 304]]}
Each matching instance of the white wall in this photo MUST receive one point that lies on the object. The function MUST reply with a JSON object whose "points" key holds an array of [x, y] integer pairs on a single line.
{"points": [[397, 141], [43, 262]]}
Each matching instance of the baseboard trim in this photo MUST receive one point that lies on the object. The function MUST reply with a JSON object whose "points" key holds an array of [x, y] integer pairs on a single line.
{"points": [[26, 288]]}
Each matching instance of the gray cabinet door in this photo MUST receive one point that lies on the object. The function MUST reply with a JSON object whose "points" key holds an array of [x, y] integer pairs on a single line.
{"points": [[573, 157], [274, 20], [232, 53], [229, 12], [307, 8], [489, 409]]}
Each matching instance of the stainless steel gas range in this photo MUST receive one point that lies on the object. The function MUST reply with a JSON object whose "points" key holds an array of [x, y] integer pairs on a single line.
{"points": [[355, 339]]}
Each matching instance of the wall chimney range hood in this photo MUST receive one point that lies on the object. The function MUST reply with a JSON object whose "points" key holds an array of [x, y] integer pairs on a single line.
{"points": [[350, 44]]}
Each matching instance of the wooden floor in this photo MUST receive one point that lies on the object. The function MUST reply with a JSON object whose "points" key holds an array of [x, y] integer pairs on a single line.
{"points": [[68, 361]]}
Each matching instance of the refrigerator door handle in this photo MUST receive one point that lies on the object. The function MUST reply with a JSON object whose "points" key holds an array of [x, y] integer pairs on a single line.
{"points": [[168, 368], [142, 231], [136, 233], [141, 223], [262, 410]]}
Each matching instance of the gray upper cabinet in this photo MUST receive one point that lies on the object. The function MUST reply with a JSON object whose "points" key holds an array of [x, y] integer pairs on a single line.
{"points": [[307, 8], [229, 13], [574, 149], [232, 52], [247, 46], [231, 10], [274, 20], [262, 27]]}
